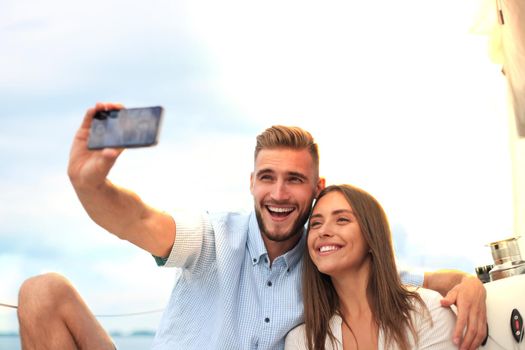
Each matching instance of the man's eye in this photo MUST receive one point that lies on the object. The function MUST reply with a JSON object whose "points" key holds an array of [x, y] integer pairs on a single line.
{"points": [[296, 180], [265, 178]]}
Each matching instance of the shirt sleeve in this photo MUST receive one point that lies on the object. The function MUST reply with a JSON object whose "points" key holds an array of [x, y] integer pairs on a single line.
{"points": [[412, 277], [409, 275], [186, 250]]}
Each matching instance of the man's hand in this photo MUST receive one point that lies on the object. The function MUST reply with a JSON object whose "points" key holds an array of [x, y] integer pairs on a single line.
{"points": [[469, 297], [90, 168], [118, 210]]}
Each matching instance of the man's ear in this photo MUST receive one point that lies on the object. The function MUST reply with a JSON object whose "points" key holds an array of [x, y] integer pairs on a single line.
{"points": [[321, 184], [251, 182]]}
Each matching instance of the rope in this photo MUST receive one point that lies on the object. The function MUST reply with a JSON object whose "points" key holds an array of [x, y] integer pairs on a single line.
{"points": [[108, 315], [132, 313]]}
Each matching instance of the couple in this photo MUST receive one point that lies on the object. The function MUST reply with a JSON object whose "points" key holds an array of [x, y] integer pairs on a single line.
{"points": [[239, 285]]}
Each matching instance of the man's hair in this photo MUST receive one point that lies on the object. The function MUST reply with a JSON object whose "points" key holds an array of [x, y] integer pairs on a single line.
{"points": [[292, 137]]}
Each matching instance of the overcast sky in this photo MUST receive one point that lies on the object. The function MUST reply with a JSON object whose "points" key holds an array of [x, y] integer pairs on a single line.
{"points": [[401, 104]]}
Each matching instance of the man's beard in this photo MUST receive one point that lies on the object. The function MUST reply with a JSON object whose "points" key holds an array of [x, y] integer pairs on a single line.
{"points": [[297, 227]]}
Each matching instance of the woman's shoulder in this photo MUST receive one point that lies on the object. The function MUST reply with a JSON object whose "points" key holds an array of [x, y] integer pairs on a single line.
{"points": [[297, 331], [431, 298], [435, 325], [431, 310], [296, 338]]}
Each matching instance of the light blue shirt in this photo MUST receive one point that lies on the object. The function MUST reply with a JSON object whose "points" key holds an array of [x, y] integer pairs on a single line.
{"points": [[227, 296]]}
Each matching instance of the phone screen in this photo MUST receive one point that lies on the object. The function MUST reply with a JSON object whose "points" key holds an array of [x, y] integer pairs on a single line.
{"points": [[125, 128]]}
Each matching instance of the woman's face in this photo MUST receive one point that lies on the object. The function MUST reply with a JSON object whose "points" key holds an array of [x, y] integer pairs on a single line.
{"points": [[335, 242]]}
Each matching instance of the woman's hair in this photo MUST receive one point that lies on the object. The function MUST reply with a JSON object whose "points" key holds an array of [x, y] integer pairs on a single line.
{"points": [[390, 302]]}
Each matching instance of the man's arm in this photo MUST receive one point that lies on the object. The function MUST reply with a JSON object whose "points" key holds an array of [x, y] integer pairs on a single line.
{"points": [[118, 210], [468, 294]]}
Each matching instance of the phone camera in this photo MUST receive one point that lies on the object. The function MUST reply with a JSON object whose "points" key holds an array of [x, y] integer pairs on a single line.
{"points": [[102, 115]]}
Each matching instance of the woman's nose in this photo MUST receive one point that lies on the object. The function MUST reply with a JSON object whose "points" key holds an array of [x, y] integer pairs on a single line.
{"points": [[324, 231]]}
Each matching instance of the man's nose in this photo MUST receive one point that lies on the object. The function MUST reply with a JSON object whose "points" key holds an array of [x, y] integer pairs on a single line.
{"points": [[280, 191]]}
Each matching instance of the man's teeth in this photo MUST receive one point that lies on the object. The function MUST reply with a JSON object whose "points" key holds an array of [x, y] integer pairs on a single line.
{"points": [[280, 210], [328, 248]]}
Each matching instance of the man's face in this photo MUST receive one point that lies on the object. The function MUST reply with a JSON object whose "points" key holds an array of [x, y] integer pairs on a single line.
{"points": [[283, 184]]}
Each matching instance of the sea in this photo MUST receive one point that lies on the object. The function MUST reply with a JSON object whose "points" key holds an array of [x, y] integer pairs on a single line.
{"points": [[122, 343]]}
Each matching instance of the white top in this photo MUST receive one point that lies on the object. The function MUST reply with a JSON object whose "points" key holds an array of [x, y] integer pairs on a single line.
{"points": [[436, 336]]}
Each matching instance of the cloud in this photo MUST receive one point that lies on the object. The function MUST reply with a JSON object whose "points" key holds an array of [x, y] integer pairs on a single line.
{"points": [[63, 58]]}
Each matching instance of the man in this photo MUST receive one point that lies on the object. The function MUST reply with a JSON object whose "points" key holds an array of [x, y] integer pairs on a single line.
{"points": [[239, 285]]}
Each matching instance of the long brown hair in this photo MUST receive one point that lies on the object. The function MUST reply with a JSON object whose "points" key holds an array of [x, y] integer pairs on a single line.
{"points": [[390, 302]]}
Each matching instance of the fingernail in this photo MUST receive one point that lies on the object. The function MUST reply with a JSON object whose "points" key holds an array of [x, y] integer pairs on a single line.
{"points": [[456, 341]]}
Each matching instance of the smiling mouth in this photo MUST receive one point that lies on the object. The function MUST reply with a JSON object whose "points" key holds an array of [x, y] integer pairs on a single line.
{"points": [[328, 248], [279, 212]]}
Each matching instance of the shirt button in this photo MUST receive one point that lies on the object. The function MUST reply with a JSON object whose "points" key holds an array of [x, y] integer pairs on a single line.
{"points": [[267, 320], [269, 283], [254, 260]]}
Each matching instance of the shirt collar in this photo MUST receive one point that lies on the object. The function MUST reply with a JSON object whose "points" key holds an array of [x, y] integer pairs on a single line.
{"points": [[255, 242], [293, 256], [257, 249]]}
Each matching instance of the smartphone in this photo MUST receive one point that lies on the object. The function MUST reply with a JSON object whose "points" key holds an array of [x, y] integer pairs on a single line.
{"points": [[125, 128]]}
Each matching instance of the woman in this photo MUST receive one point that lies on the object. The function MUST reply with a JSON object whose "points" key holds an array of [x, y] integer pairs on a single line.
{"points": [[352, 293]]}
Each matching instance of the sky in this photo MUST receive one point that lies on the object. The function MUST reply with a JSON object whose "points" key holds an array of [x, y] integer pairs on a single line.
{"points": [[401, 97]]}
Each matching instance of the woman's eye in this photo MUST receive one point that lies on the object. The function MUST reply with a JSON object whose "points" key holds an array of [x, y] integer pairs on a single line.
{"points": [[315, 224], [343, 220]]}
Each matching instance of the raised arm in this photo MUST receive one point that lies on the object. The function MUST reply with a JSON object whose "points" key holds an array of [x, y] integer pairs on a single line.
{"points": [[116, 209], [469, 295]]}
